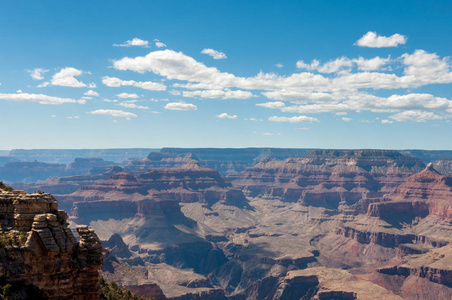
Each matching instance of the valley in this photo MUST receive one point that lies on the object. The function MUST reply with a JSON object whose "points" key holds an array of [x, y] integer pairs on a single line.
{"points": [[342, 224]]}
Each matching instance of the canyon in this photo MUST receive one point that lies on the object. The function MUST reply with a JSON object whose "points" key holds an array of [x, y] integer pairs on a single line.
{"points": [[267, 224]]}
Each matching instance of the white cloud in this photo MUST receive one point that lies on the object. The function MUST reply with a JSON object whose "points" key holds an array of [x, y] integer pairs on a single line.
{"points": [[132, 105], [160, 44], [146, 85], [214, 53], [91, 93], [267, 133], [38, 98], [127, 96], [219, 94], [415, 116], [92, 85], [66, 77], [336, 65], [297, 119], [36, 73], [373, 40], [347, 89], [427, 67], [302, 128], [273, 105], [180, 106], [385, 122], [113, 112], [279, 66], [299, 97], [44, 84], [134, 42], [226, 116], [175, 93], [312, 66], [346, 119], [372, 64]]}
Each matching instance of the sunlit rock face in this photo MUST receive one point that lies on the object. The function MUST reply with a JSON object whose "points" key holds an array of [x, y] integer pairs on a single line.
{"points": [[39, 249], [328, 178]]}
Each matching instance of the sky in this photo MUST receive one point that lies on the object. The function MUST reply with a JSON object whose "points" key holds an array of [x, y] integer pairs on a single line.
{"points": [[288, 74]]}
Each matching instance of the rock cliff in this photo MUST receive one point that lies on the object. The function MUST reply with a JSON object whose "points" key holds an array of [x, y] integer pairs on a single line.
{"points": [[38, 248], [328, 178], [184, 184]]}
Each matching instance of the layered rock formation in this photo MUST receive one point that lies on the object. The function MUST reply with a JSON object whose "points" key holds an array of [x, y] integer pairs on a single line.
{"points": [[444, 166], [420, 276], [184, 184], [59, 186], [425, 193], [38, 248], [328, 178], [415, 217], [160, 160], [84, 165]]}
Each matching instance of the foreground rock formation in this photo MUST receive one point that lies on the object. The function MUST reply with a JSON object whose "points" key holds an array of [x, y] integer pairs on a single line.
{"points": [[38, 248]]}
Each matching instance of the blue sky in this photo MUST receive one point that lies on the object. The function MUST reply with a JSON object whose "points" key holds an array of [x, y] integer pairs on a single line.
{"points": [[326, 74]]}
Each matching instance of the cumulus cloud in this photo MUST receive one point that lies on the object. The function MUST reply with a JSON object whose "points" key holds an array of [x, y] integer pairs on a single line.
{"points": [[134, 42], [372, 64], [38, 98], [132, 105], [214, 53], [279, 66], [36, 73], [415, 116], [346, 119], [180, 106], [344, 88], [113, 112], [296, 119], [91, 93], [146, 85], [336, 65], [312, 66], [127, 96], [219, 94], [373, 40], [386, 122], [226, 116], [66, 77]]}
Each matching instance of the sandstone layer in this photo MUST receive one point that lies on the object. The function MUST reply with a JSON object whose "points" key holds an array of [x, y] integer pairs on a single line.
{"points": [[38, 248]]}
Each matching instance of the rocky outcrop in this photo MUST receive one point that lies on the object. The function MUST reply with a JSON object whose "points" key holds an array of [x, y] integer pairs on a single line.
{"points": [[434, 266], [379, 238], [184, 184], [328, 178], [425, 193], [84, 165], [444, 166], [160, 160], [38, 248]]}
